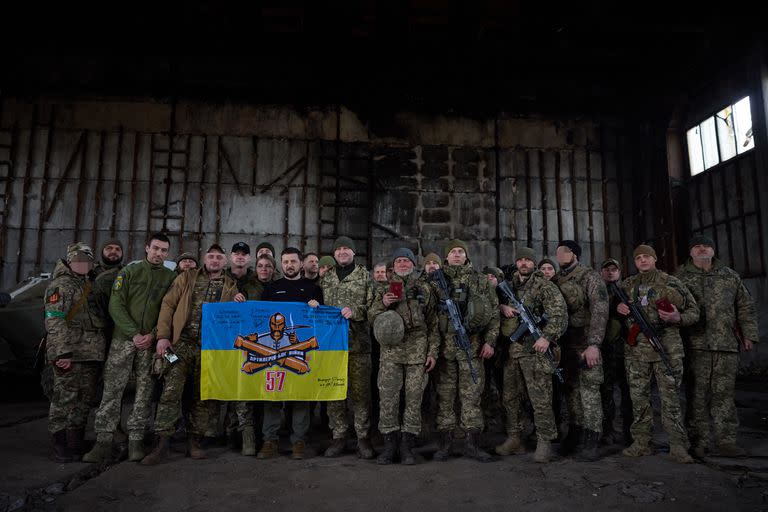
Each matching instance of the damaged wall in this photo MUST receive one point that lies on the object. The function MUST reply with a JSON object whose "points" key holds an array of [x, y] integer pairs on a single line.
{"points": [[91, 169]]}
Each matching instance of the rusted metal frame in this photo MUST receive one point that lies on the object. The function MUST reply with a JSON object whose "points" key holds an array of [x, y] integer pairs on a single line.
{"points": [[65, 175], [349, 179], [97, 195], [14, 143], [218, 189], [337, 164], [296, 172], [255, 170], [497, 161], [26, 183], [623, 249], [286, 191], [295, 167], [728, 232], [387, 230], [590, 227], [184, 188], [44, 189], [81, 186], [755, 187], [131, 202], [543, 190], [711, 184], [116, 186], [572, 164], [203, 173], [740, 214], [528, 205], [558, 197], [305, 185], [604, 195], [225, 156]]}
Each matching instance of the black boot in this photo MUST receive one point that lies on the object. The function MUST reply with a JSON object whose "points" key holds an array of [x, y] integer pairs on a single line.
{"points": [[571, 441], [444, 449], [590, 452], [61, 452], [472, 448], [407, 442], [390, 449], [75, 438]]}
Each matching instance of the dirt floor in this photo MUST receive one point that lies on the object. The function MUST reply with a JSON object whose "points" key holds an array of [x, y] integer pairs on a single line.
{"points": [[30, 481]]}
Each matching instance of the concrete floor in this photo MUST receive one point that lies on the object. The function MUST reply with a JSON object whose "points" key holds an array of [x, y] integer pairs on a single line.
{"points": [[30, 481]]}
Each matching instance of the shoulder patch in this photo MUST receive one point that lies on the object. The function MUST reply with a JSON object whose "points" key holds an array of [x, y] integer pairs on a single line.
{"points": [[52, 296], [118, 282]]}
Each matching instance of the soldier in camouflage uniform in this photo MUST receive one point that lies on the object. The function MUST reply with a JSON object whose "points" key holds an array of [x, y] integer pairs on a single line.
{"points": [[725, 306], [348, 286], [178, 331], [111, 257], [612, 351], [324, 264], [584, 292], [133, 305], [466, 286], [185, 261], [75, 347], [527, 368], [646, 289], [404, 362]]}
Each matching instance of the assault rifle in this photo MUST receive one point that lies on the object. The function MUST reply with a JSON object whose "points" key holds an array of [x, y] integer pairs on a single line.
{"points": [[460, 333], [644, 325], [530, 323]]}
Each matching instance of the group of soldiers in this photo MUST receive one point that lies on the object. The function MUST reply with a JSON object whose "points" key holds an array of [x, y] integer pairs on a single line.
{"points": [[436, 320]]}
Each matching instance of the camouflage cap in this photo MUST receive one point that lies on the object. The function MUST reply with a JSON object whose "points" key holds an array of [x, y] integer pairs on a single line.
{"points": [[389, 329], [456, 243], [496, 271], [610, 261], [186, 256], [79, 251], [432, 257], [326, 261]]}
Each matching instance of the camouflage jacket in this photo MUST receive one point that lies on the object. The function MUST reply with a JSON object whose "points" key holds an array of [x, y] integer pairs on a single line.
{"points": [[249, 285], [587, 298], [724, 304], [419, 314], [465, 277], [615, 328], [645, 289], [542, 297], [75, 334], [100, 268], [355, 291], [136, 297]]}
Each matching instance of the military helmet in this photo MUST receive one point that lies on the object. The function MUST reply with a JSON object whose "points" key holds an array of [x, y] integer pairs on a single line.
{"points": [[389, 329], [479, 313]]}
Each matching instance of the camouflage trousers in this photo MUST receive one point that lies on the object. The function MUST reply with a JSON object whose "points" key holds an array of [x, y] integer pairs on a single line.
{"points": [[393, 377], [123, 360], [614, 375], [237, 416], [73, 394], [170, 406], [358, 400], [711, 387], [582, 392], [455, 380], [531, 373], [639, 376]]}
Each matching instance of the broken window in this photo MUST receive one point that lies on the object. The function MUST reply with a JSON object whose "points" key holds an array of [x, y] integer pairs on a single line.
{"points": [[721, 137]]}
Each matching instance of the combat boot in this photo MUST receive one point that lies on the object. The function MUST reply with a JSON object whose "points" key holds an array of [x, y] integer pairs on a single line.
{"points": [[136, 451], [194, 450], [101, 451], [161, 451], [590, 451], [268, 450], [390, 449], [730, 450], [638, 449], [407, 442], [61, 452], [445, 446], [75, 438], [249, 441], [543, 451], [336, 449], [571, 441], [364, 448], [472, 448], [298, 451], [512, 445], [680, 454]]}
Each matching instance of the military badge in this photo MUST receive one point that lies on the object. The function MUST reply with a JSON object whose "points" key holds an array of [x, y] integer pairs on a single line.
{"points": [[118, 282], [53, 296]]}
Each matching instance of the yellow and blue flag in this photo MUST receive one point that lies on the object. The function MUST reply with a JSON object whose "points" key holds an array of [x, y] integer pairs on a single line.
{"points": [[263, 350]]}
